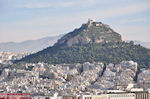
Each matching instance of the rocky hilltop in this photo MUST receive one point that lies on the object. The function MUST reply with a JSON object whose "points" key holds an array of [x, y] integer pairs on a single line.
{"points": [[91, 32]]}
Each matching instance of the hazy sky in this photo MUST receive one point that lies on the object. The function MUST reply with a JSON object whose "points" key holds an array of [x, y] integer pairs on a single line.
{"points": [[32, 19]]}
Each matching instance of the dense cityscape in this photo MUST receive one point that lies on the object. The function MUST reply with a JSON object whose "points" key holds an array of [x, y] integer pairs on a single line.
{"points": [[75, 80]]}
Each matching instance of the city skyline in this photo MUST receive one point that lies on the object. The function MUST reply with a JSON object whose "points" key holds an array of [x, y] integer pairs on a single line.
{"points": [[33, 19]]}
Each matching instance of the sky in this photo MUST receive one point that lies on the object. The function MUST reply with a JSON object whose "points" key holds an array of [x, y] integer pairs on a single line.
{"points": [[33, 19]]}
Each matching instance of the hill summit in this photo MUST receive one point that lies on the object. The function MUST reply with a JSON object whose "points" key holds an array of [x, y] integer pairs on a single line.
{"points": [[91, 32]]}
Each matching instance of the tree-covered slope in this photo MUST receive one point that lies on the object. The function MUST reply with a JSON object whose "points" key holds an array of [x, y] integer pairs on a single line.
{"points": [[104, 52]]}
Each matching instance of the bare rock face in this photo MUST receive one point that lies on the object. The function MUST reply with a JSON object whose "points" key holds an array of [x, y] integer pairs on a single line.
{"points": [[91, 32], [76, 40]]}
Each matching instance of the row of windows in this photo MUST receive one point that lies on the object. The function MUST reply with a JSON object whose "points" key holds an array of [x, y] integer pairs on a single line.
{"points": [[122, 95]]}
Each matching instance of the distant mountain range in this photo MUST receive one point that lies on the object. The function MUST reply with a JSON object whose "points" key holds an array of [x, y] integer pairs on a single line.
{"points": [[144, 44], [29, 45]]}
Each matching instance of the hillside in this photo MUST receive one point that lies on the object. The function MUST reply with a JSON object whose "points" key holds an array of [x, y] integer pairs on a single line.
{"points": [[103, 46], [106, 52]]}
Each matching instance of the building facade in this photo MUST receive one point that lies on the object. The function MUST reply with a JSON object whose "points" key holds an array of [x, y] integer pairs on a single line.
{"points": [[122, 96], [142, 95], [103, 96]]}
